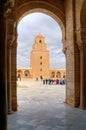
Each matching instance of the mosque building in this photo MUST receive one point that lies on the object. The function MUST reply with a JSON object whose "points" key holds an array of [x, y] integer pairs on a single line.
{"points": [[39, 63]]}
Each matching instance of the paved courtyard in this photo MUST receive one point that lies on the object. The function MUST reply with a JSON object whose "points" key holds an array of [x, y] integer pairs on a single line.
{"points": [[42, 107]]}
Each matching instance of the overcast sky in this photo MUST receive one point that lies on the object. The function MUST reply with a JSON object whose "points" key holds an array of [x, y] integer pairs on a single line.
{"points": [[28, 28]]}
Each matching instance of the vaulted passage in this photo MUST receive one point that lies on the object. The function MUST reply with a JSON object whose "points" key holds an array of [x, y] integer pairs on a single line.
{"points": [[70, 15]]}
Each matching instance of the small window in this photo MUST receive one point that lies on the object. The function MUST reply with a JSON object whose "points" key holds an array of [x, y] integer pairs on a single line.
{"points": [[41, 69], [40, 63], [40, 41], [40, 57]]}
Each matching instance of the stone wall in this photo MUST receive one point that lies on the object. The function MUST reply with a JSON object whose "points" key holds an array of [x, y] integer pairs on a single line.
{"points": [[67, 14], [27, 74], [70, 86]]}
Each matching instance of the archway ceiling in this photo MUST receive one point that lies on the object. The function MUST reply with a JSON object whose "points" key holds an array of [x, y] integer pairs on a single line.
{"points": [[57, 3], [55, 6]]}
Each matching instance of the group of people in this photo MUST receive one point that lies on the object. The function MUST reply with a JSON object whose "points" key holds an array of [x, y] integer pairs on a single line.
{"points": [[47, 81], [52, 81]]}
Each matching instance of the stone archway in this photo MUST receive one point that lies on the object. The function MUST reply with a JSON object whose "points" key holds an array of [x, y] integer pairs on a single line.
{"points": [[52, 74], [58, 14], [43, 7], [72, 15], [70, 47], [58, 74], [26, 73]]}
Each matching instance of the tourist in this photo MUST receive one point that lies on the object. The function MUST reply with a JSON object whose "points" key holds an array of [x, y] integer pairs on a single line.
{"points": [[43, 81]]}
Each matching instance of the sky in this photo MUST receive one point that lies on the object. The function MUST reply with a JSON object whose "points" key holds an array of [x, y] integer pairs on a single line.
{"points": [[28, 28]]}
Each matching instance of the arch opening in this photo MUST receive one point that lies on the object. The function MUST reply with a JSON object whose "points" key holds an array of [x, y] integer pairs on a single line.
{"points": [[49, 42]]}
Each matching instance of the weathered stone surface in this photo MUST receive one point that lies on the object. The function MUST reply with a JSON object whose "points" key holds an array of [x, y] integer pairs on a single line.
{"points": [[70, 15]]}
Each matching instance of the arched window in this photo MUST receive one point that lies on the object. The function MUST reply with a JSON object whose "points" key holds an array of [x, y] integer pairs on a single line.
{"points": [[58, 75], [40, 57], [27, 73], [63, 76], [52, 74], [19, 73], [40, 63]]}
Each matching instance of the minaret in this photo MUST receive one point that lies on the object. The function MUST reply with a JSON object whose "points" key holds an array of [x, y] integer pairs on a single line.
{"points": [[39, 60]]}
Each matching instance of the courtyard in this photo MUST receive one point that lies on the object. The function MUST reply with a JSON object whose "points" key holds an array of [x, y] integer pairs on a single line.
{"points": [[43, 107]]}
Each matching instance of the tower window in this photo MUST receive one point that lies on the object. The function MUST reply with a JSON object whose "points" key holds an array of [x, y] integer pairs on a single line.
{"points": [[40, 63], [41, 69], [40, 57], [40, 41]]}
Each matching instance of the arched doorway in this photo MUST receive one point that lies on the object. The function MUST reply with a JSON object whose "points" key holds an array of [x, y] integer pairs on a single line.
{"points": [[69, 48], [70, 11], [24, 10], [58, 74], [52, 74], [27, 73]]}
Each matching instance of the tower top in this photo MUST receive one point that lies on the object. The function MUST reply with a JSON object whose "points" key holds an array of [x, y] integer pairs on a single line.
{"points": [[39, 43], [39, 39], [39, 36]]}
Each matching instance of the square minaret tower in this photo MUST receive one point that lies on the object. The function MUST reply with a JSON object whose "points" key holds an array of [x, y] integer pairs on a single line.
{"points": [[39, 59]]}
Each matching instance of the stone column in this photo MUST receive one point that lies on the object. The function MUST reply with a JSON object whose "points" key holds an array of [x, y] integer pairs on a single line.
{"points": [[76, 75], [9, 24], [3, 70], [64, 51], [13, 77], [11, 41], [9, 92], [81, 77], [78, 65], [82, 47]]}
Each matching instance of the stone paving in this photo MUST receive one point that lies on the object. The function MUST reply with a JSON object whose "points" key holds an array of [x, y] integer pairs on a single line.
{"points": [[42, 107]]}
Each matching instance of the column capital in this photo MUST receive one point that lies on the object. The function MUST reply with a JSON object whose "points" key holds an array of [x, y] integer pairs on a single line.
{"points": [[64, 50], [10, 41], [64, 41], [79, 41], [8, 7], [78, 36], [80, 46], [64, 46], [10, 3]]}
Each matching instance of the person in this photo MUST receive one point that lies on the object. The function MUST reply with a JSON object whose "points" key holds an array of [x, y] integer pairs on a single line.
{"points": [[63, 81], [19, 77], [52, 81], [49, 81], [60, 81], [57, 81], [37, 79], [43, 81], [46, 81], [41, 78]]}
